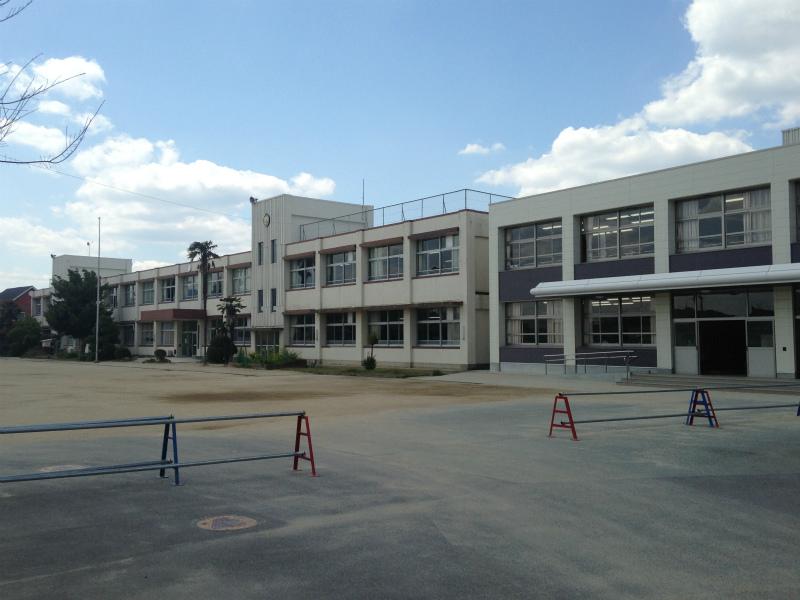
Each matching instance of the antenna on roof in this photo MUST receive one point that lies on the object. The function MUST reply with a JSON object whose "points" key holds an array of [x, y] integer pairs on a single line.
{"points": [[362, 191]]}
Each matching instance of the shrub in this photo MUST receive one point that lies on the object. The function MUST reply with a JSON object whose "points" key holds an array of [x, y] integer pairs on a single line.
{"points": [[369, 363], [37, 353], [160, 354], [24, 335], [65, 355], [214, 355], [242, 360], [122, 353], [436, 373], [226, 348]]}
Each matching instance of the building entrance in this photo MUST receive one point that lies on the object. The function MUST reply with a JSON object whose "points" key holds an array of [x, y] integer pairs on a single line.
{"points": [[189, 338], [723, 347]]}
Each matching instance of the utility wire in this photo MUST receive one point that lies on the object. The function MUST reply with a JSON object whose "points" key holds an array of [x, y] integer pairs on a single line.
{"points": [[139, 194]]}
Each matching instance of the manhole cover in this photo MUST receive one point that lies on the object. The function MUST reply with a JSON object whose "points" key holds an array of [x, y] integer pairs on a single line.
{"points": [[226, 523], [54, 468]]}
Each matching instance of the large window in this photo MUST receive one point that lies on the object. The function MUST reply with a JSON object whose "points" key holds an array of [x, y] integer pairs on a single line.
{"points": [[146, 334], [437, 255], [724, 221], [340, 329], [273, 251], [241, 280], [166, 333], [438, 326], [302, 330], [619, 321], [129, 294], [341, 267], [385, 262], [189, 287], [111, 298], [273, 299], [301, 272], [535, 245], [216, 285], [167, 289], [241, 331], [618, 234], [148, 292], [260, 253], [387, 326], [127, 334], [37, 307], [534, 323]]}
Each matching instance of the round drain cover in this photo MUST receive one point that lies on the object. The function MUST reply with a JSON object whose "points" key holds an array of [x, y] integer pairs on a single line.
{"points": [[226, 523], [54, 468]]}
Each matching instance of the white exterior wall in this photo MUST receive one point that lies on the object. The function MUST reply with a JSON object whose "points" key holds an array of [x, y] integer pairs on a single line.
{"points": [[468, 289], [108, 266], [776, 167]]}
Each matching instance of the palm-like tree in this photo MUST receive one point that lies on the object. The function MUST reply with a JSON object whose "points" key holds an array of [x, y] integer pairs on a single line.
{"points": [[204, 252]]}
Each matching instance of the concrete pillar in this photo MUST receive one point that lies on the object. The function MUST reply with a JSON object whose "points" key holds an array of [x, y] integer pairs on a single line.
{"points": [[496, 309], [663, 237], [784, 332], [571, 314], [780, 201], [570, 245], [663, 330]]}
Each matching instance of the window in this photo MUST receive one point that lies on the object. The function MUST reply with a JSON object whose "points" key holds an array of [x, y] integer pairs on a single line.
{"points": [[385, 262], [260, 300], [724, 221], [273, 251], [387, 325], [535, 245], [302, 330], [216, 284], [168, 289], [214, 328], [619, 321], [273, 299], [111, 298], [126, 334], [241, 331], [302, 273], [340, 329], [531, 323], [437, 255], [260, 253], [341, 267], [166, 333], [148, 292], [37, 307], [189, 287], [241, 280], [438, 326], [146, 334], [129, 294], [618, 234]]}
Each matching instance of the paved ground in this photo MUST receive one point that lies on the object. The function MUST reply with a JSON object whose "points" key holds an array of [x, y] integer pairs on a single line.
{"points": [[428, 489]]}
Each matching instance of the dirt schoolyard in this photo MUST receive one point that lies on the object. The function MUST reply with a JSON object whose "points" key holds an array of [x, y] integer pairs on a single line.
{"points": [[444, 487]]}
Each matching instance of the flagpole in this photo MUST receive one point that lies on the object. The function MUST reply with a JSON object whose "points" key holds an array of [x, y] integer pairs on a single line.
{"points": [[97, 310]]}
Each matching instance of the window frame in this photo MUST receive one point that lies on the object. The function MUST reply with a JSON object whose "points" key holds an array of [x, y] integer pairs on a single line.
{"points": [[214, 278], [241, 330], [340, 268], [381, 320], [617, 230], [306, 273], [346, 323], [307, 325], [189, 283], [541, 317], [391, 257], [147, 328], [537, 235], [170, 331], [619, 318], [129, 294], [152, 292], [163, 287], [448, 316], [241, 280], [445, 245]]}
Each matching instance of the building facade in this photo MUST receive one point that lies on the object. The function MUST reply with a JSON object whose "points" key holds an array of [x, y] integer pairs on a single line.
{"points": [[691, 270]]}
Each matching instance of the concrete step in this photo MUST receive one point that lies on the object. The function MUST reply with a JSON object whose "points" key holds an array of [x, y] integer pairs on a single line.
{"points": [[762, 384]]}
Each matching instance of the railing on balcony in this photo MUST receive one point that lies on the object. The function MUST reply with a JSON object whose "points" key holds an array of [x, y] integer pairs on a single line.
{"points": [[429, 206]]}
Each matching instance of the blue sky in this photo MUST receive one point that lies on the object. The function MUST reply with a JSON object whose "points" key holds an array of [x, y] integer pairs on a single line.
{"points": [[207, 103]]}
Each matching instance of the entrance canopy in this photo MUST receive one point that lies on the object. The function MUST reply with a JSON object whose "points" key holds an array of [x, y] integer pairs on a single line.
{"points": [[655, 282]]}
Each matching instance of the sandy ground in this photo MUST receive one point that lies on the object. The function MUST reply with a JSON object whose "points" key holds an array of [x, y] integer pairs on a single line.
{"points": [[430, 488]]}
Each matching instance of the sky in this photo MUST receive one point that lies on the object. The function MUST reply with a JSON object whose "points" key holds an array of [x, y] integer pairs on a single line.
{"points": [[204, 104]]}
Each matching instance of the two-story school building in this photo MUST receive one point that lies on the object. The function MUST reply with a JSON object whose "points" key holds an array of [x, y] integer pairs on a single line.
{"points": [[693, 269]]}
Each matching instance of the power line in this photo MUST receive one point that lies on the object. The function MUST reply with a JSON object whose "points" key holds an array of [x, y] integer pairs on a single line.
{"points": [[139, 194]]}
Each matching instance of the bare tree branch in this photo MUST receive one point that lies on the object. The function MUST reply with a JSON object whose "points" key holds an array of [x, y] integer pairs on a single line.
{"points": [[16, 95]]}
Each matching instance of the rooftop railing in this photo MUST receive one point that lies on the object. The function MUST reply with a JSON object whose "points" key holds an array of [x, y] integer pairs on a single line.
{"points": [[429, 206]]}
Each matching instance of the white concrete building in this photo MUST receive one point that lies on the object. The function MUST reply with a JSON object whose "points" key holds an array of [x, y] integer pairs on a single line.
{"points": [[64, 263], [691, 269]]}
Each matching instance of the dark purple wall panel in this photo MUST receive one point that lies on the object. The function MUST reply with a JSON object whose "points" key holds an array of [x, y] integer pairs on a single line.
{"points": [[527, 354], [795, 249], [516, 285], [615, 268], [721, 259]]}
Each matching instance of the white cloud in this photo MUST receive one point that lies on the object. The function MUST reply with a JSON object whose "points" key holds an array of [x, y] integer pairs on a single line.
{"points": [[745, 65], [146, 265], [48, 140], [586, 154], [746, 61], [479, 149], [54, 107], [84, 87]]}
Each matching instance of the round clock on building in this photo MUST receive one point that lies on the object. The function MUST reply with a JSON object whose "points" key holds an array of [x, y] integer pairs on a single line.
{"points": [[266, 219]]}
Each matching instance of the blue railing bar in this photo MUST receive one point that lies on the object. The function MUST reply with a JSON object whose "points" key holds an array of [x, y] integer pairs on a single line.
{"points": [[301, 413], [85, 425], [157, 465], [692, 389], [137, 422]]}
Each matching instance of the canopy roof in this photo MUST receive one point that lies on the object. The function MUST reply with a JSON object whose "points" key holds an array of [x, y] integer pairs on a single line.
{"points": [[655, 282]]}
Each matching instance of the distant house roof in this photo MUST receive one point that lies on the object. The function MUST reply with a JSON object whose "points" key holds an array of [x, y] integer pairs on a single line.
{"points": [[11, 294]]}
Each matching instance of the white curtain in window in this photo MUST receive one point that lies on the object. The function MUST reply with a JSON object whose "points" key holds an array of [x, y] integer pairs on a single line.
{"points": [[688, 225]]}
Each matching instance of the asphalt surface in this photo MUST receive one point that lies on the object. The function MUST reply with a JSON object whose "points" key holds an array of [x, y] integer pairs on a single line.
{"points": [[457, 501]]}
